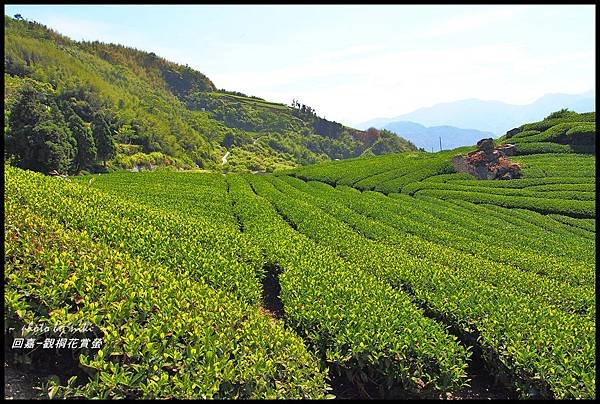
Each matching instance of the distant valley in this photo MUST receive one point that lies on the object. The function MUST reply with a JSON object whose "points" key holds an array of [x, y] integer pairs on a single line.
{"points": [[428, 138]]}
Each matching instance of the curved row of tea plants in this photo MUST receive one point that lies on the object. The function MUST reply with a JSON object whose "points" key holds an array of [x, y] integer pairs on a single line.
{"points": [[542, 148], [562, 132], [529, 224], [165, 334], [572, 298], [199, 247], [476, 220], [351, 171], [524, 182], [362, 328], [191, 194], [470, 227], [531, 193], [330, 202], [558, 165], [394, 183], [585, 187], [528, 334], [568, 207], [443, 223], [557, 118], [367, 173], [585, 224]]}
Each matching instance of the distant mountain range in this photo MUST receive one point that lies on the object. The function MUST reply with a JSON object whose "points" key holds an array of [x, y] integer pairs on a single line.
{"points": [[490, 116], [428, 138]]}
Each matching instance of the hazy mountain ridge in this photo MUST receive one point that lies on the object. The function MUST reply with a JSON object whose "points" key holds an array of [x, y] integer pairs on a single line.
{"points": [[490, 116], [428, 138]]}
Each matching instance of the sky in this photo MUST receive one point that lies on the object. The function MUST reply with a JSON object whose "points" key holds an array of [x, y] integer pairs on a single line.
{"points": [[352, 63]]}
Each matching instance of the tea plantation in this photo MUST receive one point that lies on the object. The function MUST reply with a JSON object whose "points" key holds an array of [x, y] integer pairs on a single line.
{"points": [[375, 277]]}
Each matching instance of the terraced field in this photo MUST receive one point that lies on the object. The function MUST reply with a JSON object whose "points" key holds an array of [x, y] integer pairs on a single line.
{"points": [[387, 277]]}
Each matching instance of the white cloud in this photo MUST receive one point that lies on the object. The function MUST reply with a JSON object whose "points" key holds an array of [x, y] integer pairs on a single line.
{"points": [[365, 80], [392, 83]]}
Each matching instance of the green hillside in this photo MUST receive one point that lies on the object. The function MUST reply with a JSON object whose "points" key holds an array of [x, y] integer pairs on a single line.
{"points": [[373, 277], [90, 105], [563, 131]]}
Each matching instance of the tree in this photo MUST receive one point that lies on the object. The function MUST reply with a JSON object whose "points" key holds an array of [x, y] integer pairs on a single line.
{"points": [[371, 135], [83, 101], [85, 155], [57, 150], [39, 138], [125, 134], [105, 145]]}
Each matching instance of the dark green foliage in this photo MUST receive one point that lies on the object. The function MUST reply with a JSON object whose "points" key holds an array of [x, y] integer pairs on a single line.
{"points": [[53, 147], [48, 131], [563, 113], [103, 139], [86, 146], [39, 138], [180, 80]]}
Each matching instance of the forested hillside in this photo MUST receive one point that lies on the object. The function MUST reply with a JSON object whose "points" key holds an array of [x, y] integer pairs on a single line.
{"points": [[72, 106]]}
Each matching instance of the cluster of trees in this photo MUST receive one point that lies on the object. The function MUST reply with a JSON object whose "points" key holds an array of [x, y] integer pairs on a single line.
{"points": [[321, 126], [140, 98], [180, 80], [302, 109], [251, 119], [49, 131]]}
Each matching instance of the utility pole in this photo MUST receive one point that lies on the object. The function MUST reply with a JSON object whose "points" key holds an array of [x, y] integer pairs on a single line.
{"points": [[440, 143]]}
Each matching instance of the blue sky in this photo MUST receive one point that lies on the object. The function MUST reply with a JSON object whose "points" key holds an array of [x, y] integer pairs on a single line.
{"points": [[353, 63]]}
